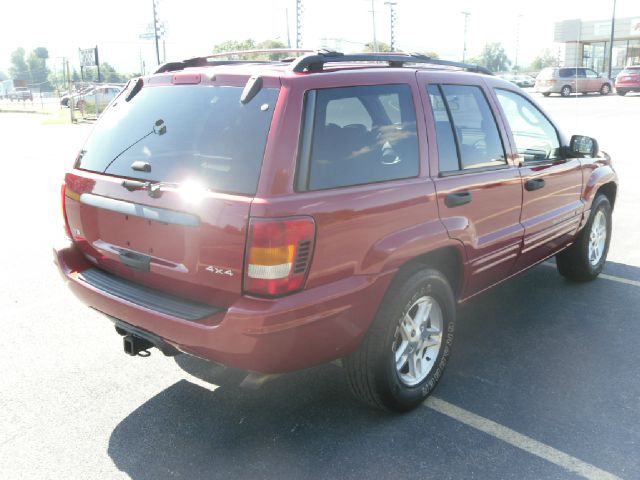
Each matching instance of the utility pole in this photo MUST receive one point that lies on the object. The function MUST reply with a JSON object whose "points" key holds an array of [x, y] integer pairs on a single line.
{"points": [[613, 26], [97, 63], [373, 20], [155, 31], [298, 23], [515, 65], [392, 18], [464, 46], [286, 14]]}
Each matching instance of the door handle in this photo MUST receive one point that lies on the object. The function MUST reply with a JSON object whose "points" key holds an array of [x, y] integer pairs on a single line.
{"points": [[457, 199], [534, 184]]}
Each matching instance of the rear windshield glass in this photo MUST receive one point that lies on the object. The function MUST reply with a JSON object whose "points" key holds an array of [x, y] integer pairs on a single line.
{"points": [[184, 132], [546, 73], [631, 69]]}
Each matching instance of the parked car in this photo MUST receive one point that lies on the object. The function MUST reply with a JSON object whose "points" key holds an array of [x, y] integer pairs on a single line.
{"points": [[508, 77], [20, 93], [566, 81], [275, 217], [101, 95], [628, 80], [524, 81]]}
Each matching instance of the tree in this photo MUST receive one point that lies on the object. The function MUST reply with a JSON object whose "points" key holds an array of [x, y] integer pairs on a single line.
{"points": [[430, 53], [234, 46], [250, 44], [545, 59], [38, 71], [382, 47], [3, 76], [19, 69], [493, 57], [110, 75]]}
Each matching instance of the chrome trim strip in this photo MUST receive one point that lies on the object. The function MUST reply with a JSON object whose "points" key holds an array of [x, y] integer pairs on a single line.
{"points": [[156, 214]]}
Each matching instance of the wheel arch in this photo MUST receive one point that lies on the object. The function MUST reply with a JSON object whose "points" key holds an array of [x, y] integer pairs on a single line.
{"points": [[447, 260], [602, 180]]}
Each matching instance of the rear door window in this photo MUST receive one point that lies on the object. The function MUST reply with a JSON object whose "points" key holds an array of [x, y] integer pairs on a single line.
{"points": [[567, 72], [474, 127], [359, 135], [193, 133]]}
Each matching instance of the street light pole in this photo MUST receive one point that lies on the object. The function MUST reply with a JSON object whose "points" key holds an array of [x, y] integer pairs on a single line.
{"points": [[392, 18], [613, 26], [373, 19], [464, 47]]}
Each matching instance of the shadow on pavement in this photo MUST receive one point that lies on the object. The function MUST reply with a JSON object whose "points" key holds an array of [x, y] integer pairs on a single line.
{"points": [[528, 354]]}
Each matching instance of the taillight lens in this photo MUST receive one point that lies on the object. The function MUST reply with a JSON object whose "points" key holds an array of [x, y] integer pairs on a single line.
{"points": [[278, 255], [63, 196]]}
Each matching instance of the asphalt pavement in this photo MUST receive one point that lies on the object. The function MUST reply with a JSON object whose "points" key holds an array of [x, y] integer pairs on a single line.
{"points": [[543, 381]]}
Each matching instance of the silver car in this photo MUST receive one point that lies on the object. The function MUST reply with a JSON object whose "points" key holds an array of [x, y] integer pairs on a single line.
{"points": [[568, 80]]}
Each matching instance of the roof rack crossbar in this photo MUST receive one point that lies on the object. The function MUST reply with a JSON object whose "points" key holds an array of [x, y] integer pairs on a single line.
{"points": [[315, 63], [206, 61]]}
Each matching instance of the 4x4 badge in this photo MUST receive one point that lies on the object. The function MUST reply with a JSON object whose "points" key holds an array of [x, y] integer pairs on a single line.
{"points": [[219, 271]]}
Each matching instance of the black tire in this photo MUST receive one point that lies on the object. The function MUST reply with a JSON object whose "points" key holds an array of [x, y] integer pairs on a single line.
{"points": [[565, 91], [546, 94], [605, 89], [622, 93], [574, 262], [371, 370]]}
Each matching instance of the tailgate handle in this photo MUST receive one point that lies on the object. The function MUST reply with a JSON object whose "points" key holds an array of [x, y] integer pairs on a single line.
{"points": [[136, 260], [457, 199], [534, 184]]}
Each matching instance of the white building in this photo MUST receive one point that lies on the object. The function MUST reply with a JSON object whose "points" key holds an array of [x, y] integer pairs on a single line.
{"points": [[586, 44]]}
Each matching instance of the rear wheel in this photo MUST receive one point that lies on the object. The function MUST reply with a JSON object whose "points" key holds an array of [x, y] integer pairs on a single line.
{"points": [[584, 260], [405, 351], [605, 89], [565, 91], [622, 93], [546, 94]]}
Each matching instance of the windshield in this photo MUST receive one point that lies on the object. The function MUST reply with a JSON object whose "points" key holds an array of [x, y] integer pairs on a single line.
{"points": [[184, 133]]}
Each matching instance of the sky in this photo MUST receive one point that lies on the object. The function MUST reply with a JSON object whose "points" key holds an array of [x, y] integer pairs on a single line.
{"points": [[194, 27]]}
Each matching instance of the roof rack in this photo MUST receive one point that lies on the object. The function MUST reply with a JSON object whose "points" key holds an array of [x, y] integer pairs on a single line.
{"points": [[315, 63], [209, 60]]}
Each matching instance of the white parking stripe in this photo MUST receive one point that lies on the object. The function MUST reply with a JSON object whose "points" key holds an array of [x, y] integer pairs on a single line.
{"points": [[518, 440], [606, 276], [635, 283]]}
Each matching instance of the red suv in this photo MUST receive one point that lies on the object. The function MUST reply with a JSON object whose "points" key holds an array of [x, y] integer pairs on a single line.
{"points": [[628, 80], [272, 216]]}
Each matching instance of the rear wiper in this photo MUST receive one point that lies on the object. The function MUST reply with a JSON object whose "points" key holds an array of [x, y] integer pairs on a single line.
{"points": [[159, 128], [154, 189]]}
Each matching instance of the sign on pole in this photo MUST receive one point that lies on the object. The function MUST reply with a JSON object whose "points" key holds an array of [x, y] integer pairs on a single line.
{"points": [[88, 57]]}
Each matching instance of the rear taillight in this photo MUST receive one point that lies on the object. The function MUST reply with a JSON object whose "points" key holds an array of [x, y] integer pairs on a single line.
{"points": [[63, 204], [278, 255]]}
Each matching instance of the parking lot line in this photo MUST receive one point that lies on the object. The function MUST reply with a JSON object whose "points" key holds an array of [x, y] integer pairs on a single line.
{"points": [[518, 440], [606, 276]]}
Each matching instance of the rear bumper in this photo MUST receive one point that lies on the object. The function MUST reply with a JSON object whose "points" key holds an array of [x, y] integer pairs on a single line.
{"points": [[628, 87], [263, 335], [547, 89]]}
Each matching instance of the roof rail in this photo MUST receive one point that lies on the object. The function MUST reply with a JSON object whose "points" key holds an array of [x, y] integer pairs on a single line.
{"points": [[315, 63], [209, 60]]}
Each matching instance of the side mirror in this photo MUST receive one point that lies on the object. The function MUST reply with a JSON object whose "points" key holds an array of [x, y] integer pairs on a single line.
{"points": [[583, 146]]}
